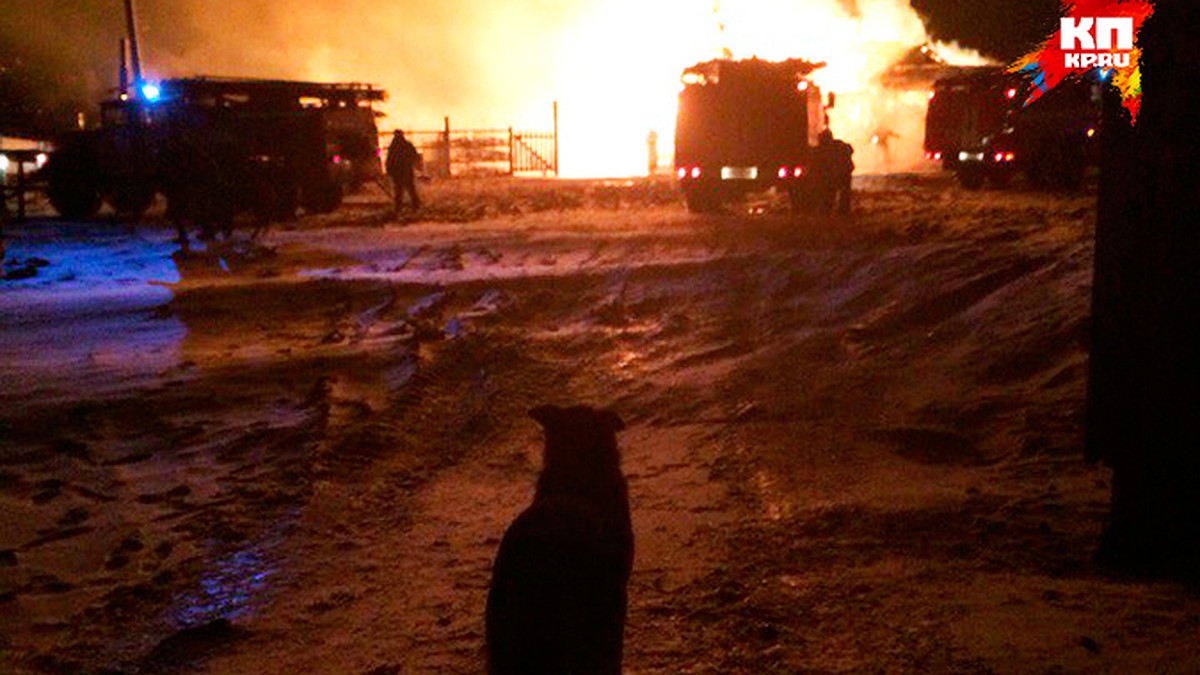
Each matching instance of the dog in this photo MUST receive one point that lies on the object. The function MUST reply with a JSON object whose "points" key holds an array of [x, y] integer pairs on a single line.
{"points": [[558, 597]]}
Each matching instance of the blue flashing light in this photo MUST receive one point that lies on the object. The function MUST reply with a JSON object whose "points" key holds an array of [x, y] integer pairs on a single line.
{"points": [[151, 92]]}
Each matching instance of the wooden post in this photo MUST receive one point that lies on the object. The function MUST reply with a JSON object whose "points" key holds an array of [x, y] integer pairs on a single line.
{"points": [[511, 154], [3, 204], [556, 139], [446, 148], [20, 189]]}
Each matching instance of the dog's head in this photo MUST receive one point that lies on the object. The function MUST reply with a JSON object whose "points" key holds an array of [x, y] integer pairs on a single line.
{"points": [[579, 435]]}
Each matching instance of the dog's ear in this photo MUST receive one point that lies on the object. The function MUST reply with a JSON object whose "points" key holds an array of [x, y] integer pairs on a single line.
{"points": [[545, 415], [611, 420]]}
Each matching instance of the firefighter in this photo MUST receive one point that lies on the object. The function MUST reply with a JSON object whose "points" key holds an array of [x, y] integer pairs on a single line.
{"points": [[881, 140], [835, 165], [402, 158]]}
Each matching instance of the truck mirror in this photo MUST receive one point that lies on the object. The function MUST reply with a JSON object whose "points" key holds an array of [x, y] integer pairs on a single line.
{"points": [[832, 101]]}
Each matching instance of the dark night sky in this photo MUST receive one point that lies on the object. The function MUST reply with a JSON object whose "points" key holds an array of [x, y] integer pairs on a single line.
{"points": [[1005, 29]]}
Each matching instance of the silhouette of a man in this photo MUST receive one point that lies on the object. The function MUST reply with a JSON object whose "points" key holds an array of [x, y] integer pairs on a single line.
{"points": [[402, 158], [881, 140], [835, 165]]}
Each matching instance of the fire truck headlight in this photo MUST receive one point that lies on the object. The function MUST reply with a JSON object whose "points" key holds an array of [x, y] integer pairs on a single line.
{"points": [[1011, 93], [695, 172], [797, 171], [783, 172]]}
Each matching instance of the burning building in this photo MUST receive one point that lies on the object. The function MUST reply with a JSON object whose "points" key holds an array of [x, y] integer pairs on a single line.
{"points": [[613, 66]]}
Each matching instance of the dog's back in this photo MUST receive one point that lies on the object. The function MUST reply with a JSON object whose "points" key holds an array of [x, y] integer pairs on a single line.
{"points": [[558, 599]]}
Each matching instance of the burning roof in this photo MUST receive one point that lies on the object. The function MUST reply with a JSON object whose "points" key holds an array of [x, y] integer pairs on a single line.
{"points": [[918, 68], [710, 72]]}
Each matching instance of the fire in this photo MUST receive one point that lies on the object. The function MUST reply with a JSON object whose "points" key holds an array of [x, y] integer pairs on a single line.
{"points": [[613, 66], [619, 78]]}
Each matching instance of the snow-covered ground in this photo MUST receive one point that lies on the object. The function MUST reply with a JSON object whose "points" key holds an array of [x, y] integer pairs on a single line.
{"points": [[853, 445]]}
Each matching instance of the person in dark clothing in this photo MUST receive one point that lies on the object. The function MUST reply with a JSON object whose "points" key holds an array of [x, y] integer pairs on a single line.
{"points": [[835, 165], [402, 159]]}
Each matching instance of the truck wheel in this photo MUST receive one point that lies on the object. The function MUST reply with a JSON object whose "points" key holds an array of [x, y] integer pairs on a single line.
{"points": [[131, 201], [970, 177], [274, 198], [701, 200], [71, 186], [324, 197], [287, 200], [73, 200], [801, 200], [1000, 178]]}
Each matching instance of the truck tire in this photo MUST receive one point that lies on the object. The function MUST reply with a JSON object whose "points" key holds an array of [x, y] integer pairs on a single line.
{"points": [[970, 176], [321, 197], [701, 199], [71, 186], [801, 200], [1000, 177], [131, 201], [287, 200], [74, 201], [274, 197]]}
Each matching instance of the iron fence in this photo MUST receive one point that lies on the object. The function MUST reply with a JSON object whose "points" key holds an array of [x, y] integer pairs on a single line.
{"points": [[483, 152]]}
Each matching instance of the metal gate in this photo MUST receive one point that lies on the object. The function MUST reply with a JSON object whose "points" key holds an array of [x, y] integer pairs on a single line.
{"points": [[533, 151], [483, 152]]}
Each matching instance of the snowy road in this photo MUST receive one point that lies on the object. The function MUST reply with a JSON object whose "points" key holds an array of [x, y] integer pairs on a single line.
{"points": [[853, 445]]}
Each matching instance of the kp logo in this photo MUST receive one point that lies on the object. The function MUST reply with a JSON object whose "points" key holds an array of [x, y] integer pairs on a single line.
{"points": [[1076, 34], [1094, 35]]}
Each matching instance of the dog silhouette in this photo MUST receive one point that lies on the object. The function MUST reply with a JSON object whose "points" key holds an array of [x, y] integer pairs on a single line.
{"points": [[558, 596]]}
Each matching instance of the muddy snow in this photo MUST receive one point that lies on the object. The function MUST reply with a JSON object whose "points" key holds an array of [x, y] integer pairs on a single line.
{"points": [[853, 446]]}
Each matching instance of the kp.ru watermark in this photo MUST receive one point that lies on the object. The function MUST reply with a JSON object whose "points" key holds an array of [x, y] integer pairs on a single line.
{"points": [[1095, 37]]}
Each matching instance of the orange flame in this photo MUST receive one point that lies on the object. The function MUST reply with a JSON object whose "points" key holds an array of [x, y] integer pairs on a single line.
{"points": [[613, 65]]}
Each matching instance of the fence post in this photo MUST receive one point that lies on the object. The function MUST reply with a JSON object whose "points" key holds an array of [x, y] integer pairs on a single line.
{"points": [[556, 139], [446, 147], [511, 158], [20, 189]]}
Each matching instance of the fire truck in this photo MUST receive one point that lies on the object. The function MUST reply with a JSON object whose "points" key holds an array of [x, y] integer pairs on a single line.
{"points": [[744, 126], [978, 126], [219, 146]]}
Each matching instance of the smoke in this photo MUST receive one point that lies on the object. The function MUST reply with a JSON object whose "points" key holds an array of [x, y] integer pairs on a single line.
{"points": [[484, 64], [48, 69], [613, 65]]}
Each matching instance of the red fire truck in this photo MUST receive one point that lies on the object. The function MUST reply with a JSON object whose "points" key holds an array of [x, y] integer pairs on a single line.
{"points": [[745, 126], [978, 126], [266, 146]]}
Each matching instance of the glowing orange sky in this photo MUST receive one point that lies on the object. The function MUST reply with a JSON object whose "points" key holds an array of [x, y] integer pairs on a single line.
{"points": [[613, 65]]}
